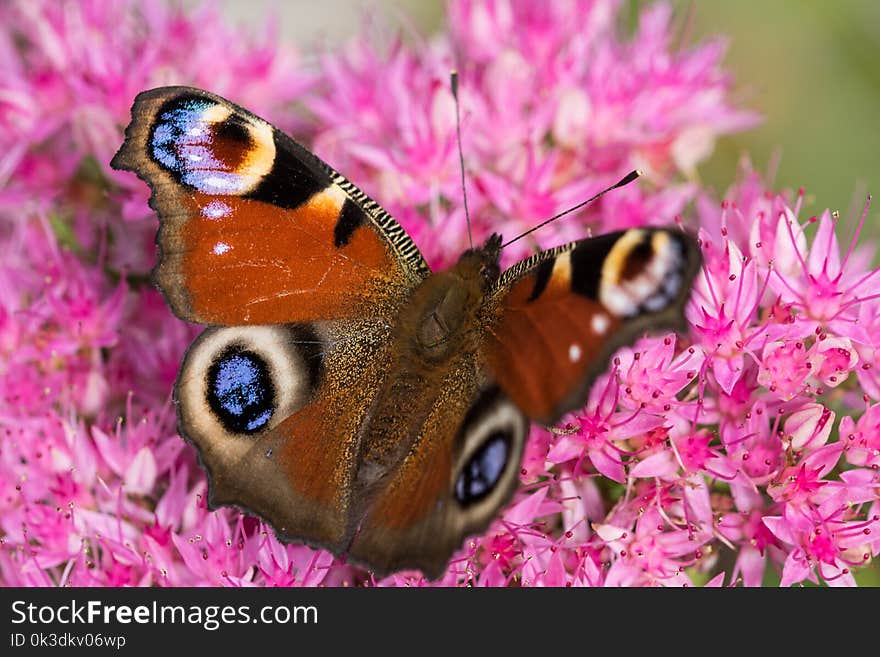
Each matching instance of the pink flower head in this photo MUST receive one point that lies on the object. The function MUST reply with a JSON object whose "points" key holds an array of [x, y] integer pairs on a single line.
{"points": [[786, 368], [651, 373], [753, 540], [650, 552], [600, 430], [862, 438], [698, 455], [824, 287], [827, 547], [868, 349], [723, 307], [802, 483]]}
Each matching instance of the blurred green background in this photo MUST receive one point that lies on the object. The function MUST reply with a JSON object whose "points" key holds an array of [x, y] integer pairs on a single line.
{"points": [[811, 68]]}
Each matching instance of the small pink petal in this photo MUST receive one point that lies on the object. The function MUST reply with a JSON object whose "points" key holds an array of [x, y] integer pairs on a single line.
{"points": [[662, 464], [140, 477], [716, 582], [795, 569]]}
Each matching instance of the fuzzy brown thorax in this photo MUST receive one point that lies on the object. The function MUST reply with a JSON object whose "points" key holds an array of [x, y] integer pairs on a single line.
{"points": [[440, 317]]}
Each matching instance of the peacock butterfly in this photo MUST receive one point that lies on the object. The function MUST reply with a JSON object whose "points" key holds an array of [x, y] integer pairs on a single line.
{"points": [[356, 400]]}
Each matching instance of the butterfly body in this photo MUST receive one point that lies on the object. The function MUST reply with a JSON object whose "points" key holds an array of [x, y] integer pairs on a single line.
{"points": [[441, 317], [342, 391]]}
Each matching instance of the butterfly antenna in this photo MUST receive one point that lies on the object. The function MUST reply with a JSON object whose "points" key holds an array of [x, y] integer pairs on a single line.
{"points": [[626, 180], [453, 82]]}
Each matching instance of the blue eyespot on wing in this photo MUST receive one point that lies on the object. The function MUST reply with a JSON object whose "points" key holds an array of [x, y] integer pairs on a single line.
{"points": [[240, 391], [207, 146], [481, 474]]}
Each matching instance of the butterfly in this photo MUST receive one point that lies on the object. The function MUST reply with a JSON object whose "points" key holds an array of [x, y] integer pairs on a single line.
{"points": [[342, 391]]}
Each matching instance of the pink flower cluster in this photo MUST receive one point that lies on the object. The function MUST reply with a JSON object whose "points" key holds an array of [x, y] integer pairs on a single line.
{"points": [[749, 447]]}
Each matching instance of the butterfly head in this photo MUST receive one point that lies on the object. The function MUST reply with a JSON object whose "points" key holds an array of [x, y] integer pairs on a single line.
{"points": [[482, 263]]}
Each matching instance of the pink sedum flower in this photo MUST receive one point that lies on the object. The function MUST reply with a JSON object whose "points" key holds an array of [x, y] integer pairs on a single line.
{"points": [[825, 547], [862, 438], [723, 307], [827, 289], [786, 368]]}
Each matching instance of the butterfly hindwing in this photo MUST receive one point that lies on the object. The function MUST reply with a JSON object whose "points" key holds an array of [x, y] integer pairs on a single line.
{"points": [[556, 318], [254, 229], [275, 413]]}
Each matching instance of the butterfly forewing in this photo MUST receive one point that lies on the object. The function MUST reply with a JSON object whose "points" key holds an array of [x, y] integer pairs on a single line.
{"points": [[254, 228], [555, 320]]}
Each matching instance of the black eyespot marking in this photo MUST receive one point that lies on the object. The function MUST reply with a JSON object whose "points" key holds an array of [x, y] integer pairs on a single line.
{"points": [[240, 390], [638, 259], [671, 286], [234, 131], [197, 150], [174, 120], [350, 219], [482, 472]]}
